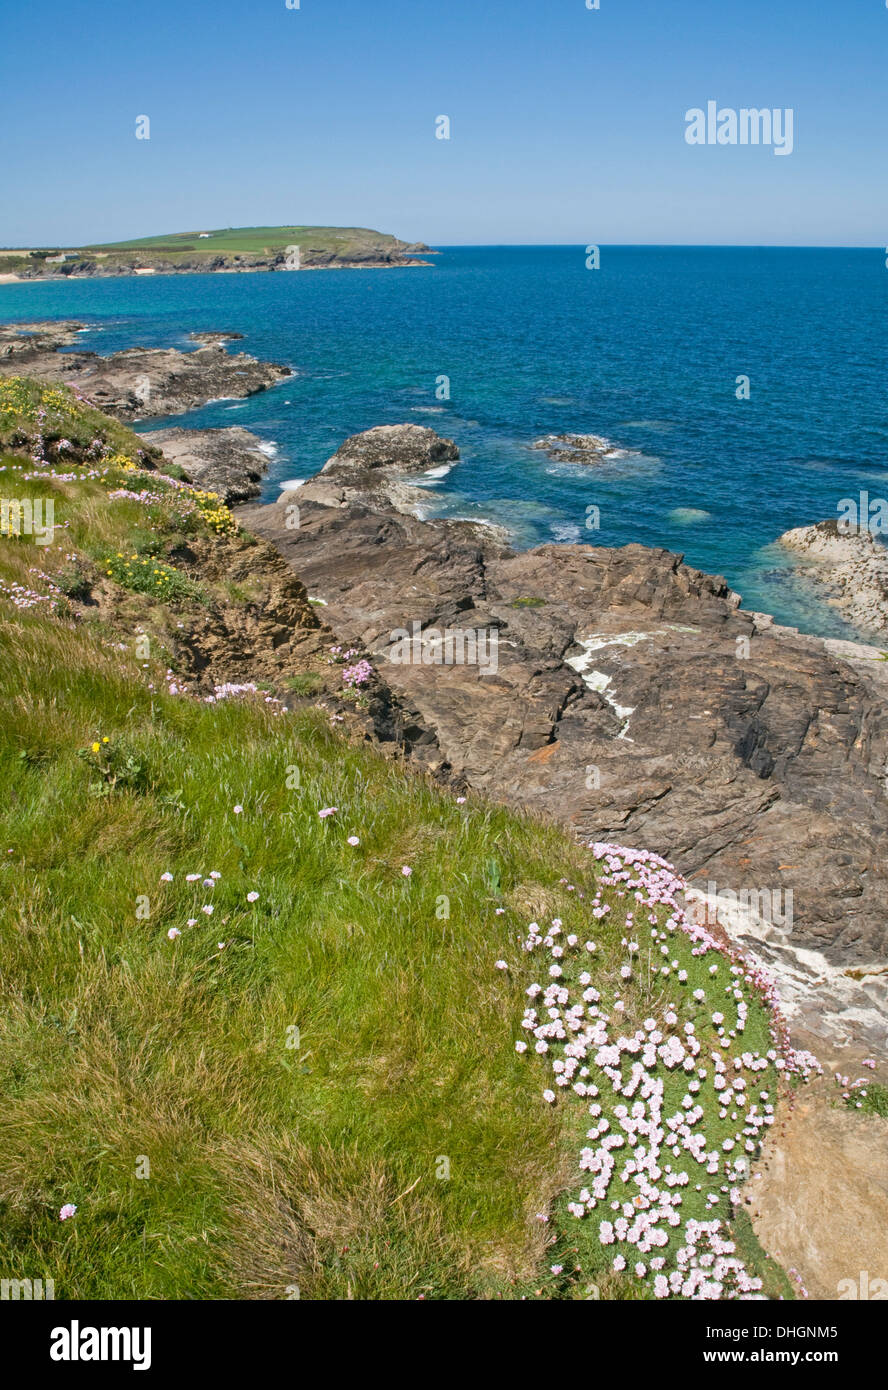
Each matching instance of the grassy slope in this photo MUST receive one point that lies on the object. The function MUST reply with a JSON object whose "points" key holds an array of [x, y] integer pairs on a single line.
{"points": [[254, 239], [278, 1161]]}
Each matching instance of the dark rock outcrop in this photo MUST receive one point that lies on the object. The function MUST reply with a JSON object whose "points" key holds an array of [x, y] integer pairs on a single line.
{"points": [[374, 468], [139, 382], [634, 700], [228, 461], [574, 448]]}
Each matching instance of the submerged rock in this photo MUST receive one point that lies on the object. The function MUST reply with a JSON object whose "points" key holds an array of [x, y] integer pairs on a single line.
{"points": [[574, 448]]}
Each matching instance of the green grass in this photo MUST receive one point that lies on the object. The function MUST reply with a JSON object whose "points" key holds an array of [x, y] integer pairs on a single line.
{"points": [[868, 1097], [249, 240], [307, 684], [52, 420], [330, 1101]]}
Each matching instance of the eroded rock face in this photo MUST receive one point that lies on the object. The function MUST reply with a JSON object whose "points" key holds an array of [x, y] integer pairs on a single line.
{"points": [[852, 567], [139, 382], [228, 461], [634, 700]]}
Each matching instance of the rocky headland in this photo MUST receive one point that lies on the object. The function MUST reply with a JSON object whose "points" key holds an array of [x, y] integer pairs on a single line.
{"points": [[849, 567], [633, 699], [226, 251]]}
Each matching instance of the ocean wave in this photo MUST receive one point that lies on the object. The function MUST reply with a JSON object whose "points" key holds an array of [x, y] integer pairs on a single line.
{"points": [[565, 531]]}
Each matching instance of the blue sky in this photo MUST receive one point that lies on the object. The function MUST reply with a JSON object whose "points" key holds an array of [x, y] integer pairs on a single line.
{"points": [[567, 123]]}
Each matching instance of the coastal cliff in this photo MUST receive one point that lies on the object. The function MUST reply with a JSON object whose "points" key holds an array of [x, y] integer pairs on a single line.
{"points": [[633, 698], [229, 250], [229, 718]]}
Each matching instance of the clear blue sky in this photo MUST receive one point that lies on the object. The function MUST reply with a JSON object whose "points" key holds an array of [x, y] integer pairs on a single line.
{"points": [[567, 124]]}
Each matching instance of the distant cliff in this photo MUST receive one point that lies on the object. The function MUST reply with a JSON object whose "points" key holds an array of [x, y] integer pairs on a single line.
{"points": [[228, 250]]}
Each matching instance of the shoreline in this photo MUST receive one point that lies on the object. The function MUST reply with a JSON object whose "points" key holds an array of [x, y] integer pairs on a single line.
{"points": [[149, 272]]}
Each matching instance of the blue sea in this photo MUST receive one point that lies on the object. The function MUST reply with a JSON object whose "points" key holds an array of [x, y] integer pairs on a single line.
{"points": [[645, 350]]}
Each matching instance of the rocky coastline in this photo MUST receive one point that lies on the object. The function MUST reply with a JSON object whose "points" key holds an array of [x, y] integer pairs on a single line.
{"points": [[371, 251], [631, 698], [634, 700], [139, 382]]}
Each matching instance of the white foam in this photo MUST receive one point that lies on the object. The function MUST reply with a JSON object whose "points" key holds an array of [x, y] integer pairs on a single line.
{"points": [[291, 484]]}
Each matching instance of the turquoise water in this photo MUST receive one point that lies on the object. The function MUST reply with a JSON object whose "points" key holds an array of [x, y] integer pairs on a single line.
{"points": [[645, 351]]}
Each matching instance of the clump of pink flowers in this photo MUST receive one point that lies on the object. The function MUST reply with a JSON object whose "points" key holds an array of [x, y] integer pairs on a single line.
{"points": [[652, 1095], [359, 674]]}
